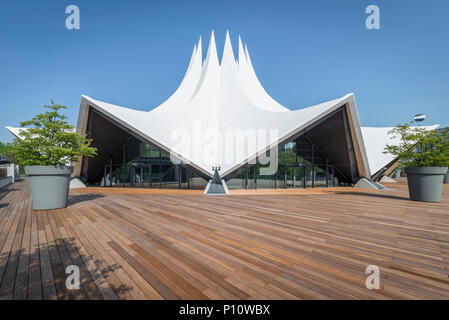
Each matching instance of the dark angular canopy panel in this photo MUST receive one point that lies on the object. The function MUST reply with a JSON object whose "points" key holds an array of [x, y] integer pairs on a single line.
{"points": [[333, 137], [107, 138]]}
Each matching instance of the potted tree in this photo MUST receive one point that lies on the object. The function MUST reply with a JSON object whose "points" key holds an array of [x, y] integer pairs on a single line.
{"points": [[47, 149], [425, 155]]}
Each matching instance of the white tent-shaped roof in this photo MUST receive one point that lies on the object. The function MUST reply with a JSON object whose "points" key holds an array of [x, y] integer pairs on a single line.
{"points": [[214, 98], [376, 139], [15, 131], [218, 97]]}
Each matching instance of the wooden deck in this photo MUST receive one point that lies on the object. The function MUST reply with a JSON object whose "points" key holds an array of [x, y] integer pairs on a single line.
{"points": [[259, 245]]}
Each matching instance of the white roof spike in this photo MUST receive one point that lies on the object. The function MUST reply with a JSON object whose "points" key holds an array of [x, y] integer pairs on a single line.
{"points": [[210, 71], [248, 59], [199, 53], [228, 54], [187, 86], [211, 56], [257, 93], [192, 59], [219, 98], [242, 56]]}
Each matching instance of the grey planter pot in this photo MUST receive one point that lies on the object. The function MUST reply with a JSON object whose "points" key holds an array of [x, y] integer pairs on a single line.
{"points": [[425, 183], [446, 178], [49, 186]]}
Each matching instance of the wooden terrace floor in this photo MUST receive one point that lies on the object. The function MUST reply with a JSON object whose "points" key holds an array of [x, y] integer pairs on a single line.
{"points": [[132, 244]]}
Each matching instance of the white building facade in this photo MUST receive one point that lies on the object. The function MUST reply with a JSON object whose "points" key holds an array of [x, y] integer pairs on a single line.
{"points": [[221, 116]]}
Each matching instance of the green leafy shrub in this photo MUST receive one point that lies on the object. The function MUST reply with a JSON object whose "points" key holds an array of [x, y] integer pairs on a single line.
{"points": [[419, 147], [7, 149], [51, 141]]}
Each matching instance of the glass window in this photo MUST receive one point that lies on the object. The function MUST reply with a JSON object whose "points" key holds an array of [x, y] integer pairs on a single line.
{"points": [[237, 182], [138, 164]]}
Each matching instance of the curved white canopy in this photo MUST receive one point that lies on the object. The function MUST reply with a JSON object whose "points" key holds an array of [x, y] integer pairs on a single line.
{"points": [[203, 81], [221, 96], [376, 139], [15, 131], [228, 95]]}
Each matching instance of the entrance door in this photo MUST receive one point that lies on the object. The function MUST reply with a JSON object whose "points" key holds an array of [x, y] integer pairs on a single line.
{"points": [[294, 176], [106, 181], [140, 177]]}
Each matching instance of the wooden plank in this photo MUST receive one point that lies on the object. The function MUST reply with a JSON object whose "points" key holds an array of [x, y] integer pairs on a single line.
{"points": [[21, 283], [48, 282], [71, 244], [123, 285], [56, 262], [135, 283], [145, 273], [34, 269], [101, 284], [16, 233], [64, 255]]}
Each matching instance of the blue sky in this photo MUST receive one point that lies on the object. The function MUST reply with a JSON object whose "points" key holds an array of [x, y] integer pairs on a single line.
{"points": [[135, 53]]}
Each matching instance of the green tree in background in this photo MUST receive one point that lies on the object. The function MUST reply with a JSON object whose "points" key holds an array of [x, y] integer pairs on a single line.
{"points": [[51, 141], [8, 150], [419, 147]]}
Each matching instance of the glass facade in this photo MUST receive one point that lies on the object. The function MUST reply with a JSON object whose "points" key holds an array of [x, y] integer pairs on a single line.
{"points": [[139, 165], [301, 164]]}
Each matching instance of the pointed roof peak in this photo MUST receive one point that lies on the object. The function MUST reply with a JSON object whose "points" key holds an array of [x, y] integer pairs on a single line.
{"points": [[192, 59], [242, 55], [228, 38], [248, 58], [199, 52], [212, 56], [228, 54]]}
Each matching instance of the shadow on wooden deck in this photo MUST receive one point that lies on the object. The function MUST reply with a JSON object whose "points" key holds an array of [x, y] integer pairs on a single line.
{"points": [[40, 274], [376, 195], [78, 198]]}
